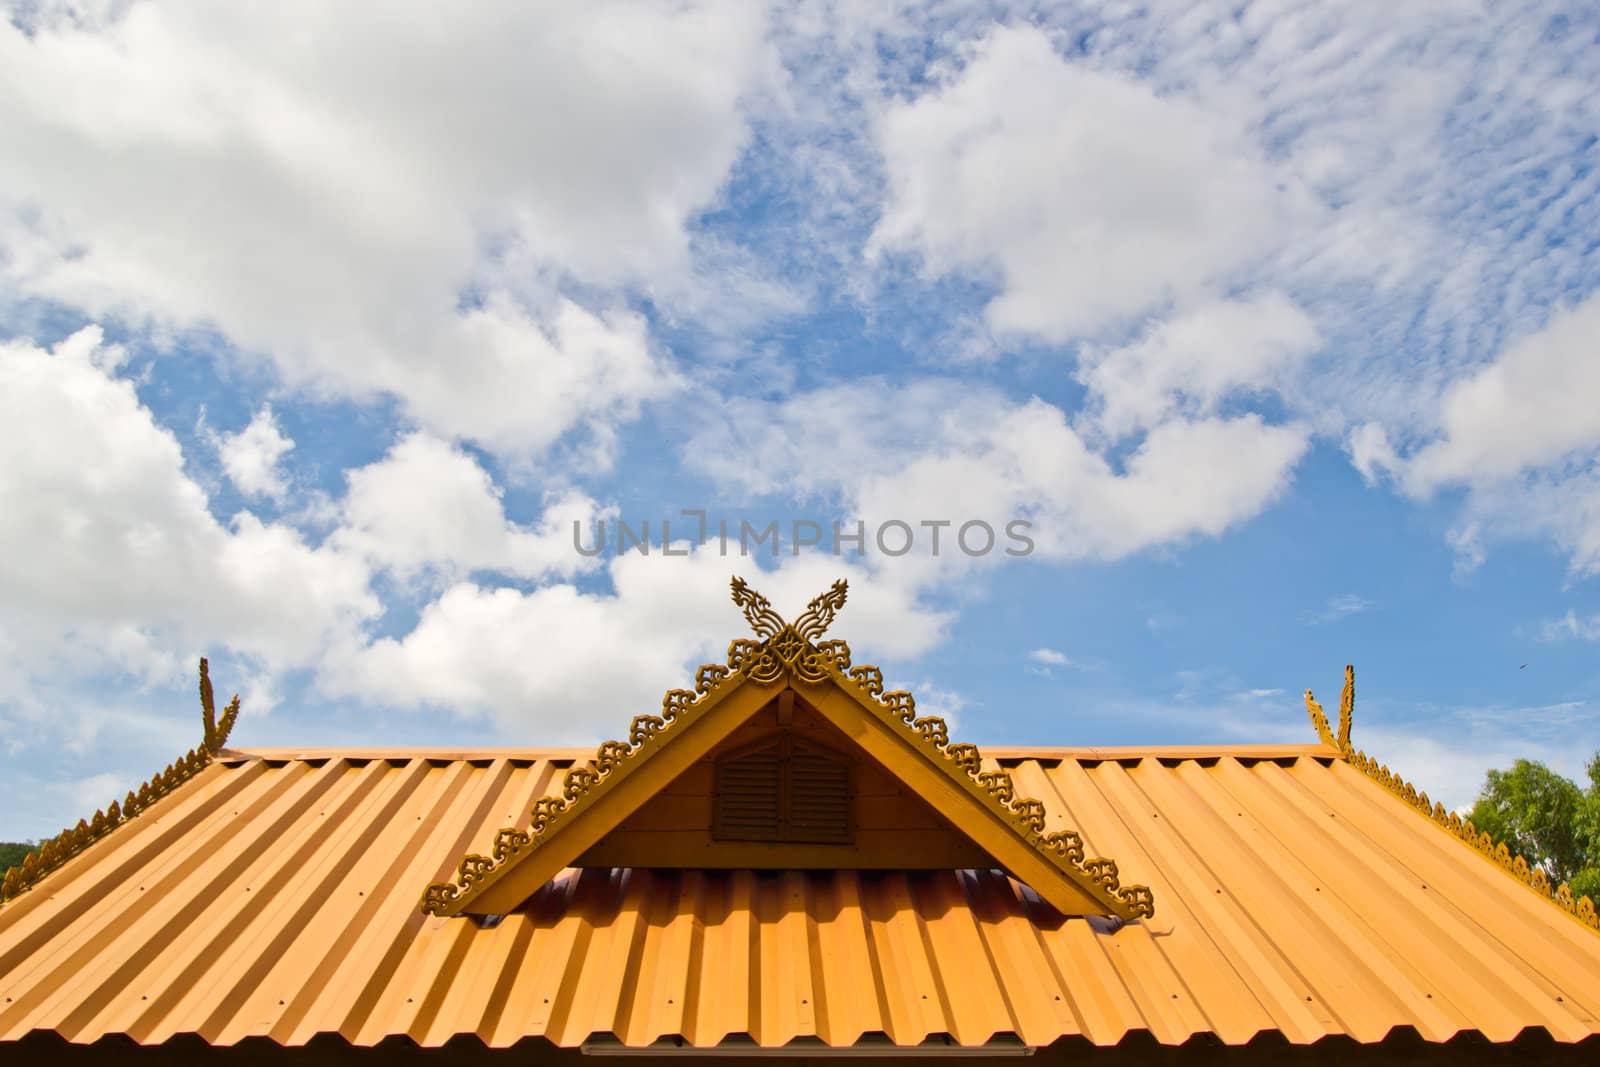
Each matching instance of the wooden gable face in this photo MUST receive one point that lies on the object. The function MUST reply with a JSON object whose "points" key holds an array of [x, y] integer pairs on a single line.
{"points": [[787, 791]]}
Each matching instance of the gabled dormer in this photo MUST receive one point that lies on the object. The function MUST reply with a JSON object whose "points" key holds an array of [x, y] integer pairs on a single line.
{"points": [[788, 757]]}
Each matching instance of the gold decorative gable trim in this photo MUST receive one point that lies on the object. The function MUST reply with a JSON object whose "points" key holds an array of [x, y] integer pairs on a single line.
{"points": [[56, 851], [791, 650], [644, 733], [1580, 908], [1026, 815]]}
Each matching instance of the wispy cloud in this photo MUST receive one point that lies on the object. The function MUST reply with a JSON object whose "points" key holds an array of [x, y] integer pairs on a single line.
{"points": [[1341, 607], [1161, 622], [1448, 753], [1045, 661], [946, 703], [1570, 626]]}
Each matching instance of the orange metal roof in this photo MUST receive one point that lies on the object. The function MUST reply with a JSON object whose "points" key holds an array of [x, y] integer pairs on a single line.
{"points": [[275, 894]]}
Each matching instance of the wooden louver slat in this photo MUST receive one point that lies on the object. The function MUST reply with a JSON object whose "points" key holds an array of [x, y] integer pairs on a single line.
{"points": [[784, 790]]}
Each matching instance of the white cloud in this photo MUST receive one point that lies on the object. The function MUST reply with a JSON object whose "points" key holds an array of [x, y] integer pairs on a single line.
{"points": [[112, 556], [251, 457], [1093, 197], [947, 704], [395, 216], [1341, 607], [1193, 361], [428, 506], [1370, 451], [1161, 622], [816, 442], [1384, 160], [1533, 406], [1046, 660], [942, 450], [1521, 437], [1187, 478], [560, 664], [1571, 626]]}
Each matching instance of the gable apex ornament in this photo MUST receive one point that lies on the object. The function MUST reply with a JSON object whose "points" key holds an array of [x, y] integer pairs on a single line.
{"points": [[787, 648]]}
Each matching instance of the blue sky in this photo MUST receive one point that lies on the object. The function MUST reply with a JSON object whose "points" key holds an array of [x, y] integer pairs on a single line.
{"points": [[1277, 322]]}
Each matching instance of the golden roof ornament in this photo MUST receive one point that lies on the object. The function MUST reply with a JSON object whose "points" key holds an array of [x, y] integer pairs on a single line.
{"points": [[786, 648]]}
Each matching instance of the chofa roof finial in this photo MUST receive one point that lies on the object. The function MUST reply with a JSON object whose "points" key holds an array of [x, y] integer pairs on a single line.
{"points": [[1347, 703], [812, 623]]}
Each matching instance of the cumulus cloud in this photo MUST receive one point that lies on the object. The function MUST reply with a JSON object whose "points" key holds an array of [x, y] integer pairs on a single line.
{"points": [[1089, 195], [1191, 362], [945, 450], [399, 217], [251, 457], [1187, 478], [1370, 451], [560, 664], [1399, 197], [1533, 406], [112, 551], [1346, 216], [1521, 437], [428, 506]]}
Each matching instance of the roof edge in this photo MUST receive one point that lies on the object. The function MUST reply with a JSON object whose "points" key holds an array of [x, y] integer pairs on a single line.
{"points": [[580, 752], [1499, 853], [56, 851]]}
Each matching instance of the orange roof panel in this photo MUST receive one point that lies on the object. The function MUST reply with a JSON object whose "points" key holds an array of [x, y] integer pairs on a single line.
{"points": [[275, 896]]}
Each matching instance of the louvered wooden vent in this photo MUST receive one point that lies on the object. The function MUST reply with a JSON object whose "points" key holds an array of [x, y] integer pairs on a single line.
{"points": [[784, 789]]}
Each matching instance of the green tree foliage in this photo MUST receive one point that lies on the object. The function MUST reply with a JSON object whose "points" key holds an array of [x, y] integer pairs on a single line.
{"points": [[1548, 818], [1586, 883], [12, 853]]}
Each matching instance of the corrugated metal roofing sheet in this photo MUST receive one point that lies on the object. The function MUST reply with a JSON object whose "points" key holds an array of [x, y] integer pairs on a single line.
{"points": [[279, 897]]}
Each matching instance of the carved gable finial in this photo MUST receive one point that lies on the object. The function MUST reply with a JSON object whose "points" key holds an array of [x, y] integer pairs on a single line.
{"points": [[757, 609], [1347, 707], [216, 733], [818, 616], [1347, 703], [55, 851], [786, 648]]}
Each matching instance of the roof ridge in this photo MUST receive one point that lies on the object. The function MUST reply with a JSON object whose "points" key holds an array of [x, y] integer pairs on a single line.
{"points": [[1498, 852]]}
